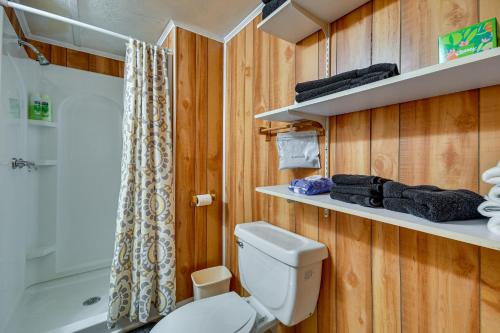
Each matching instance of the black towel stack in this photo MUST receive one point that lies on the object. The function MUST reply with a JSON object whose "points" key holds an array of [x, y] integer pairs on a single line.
{"points": [[270, 6], [343, 81], [358, 189], [431, 202]]}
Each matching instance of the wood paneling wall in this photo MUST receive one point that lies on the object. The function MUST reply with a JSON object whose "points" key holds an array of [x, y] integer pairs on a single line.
{"points": [[67, 57], [378, 278], [198, 149]]}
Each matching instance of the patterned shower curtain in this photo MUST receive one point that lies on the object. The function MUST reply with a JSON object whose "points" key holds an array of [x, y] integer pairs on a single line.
{"points": [[143, 267]]}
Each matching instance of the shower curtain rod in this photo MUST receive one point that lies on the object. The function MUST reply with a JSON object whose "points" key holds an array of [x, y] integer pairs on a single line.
{"points": [[35, 11]]}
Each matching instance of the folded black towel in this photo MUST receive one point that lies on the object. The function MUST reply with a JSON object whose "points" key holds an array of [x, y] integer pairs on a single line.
{"points": [[271, 6], [431, 202], [361, 200], [360, 180], [309, 85], [370, 190], [382, 67], [390, 69], [340, 86]]}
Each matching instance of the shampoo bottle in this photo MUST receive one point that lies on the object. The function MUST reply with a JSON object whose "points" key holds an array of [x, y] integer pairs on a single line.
{"points": [[46, 108], [34, 110]]}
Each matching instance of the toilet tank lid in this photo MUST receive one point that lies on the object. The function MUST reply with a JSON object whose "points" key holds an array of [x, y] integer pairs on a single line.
{"points": [[283, 245]]}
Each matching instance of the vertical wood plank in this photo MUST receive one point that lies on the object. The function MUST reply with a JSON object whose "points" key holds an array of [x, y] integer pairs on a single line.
{"points": [[353, 252], [490, 290], [103, 65], [58, 55], [214, 152], [439, 141], [260, 105], [423, 21], [386, 31], [78, 60], [354, 39], [185, 160], [439, 284], [248, 147], [385, 238], [282, 80], [239, 137], [200, 137]]}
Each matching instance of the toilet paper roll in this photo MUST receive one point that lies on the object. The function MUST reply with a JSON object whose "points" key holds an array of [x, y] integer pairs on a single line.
{"points": [[203, 200]]}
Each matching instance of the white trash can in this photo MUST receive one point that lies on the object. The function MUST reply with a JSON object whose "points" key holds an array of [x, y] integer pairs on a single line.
{"points": [[210, 282]]}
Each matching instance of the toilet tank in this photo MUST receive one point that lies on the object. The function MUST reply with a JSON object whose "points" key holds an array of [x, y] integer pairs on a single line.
{"points": [[280, 269]]}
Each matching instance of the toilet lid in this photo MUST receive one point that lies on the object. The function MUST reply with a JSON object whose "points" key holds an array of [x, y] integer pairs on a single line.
{"points": [[226, 313]]}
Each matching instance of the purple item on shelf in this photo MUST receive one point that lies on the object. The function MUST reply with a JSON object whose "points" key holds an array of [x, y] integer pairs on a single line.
{"points": [[311, 185]]}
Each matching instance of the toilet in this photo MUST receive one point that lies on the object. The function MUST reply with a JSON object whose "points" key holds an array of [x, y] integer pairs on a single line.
{"points": [[279, 269]]}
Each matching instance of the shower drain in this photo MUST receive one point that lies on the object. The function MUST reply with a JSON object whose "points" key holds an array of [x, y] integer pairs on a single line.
{"points": [[91, 301]]}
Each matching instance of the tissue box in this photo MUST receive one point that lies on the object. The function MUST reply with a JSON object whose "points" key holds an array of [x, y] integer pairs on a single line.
{"points": [[464, 42]]}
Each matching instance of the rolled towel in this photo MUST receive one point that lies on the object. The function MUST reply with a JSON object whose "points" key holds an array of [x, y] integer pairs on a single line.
{"points": [[369, 191], [266, 1], [361, 180], [361, 200], [494, 225], [492, 176], [494, 194], [489, 209], [270, 7]]}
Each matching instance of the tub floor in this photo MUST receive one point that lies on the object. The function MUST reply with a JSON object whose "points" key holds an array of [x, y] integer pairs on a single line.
{"points": [[56, 306]]}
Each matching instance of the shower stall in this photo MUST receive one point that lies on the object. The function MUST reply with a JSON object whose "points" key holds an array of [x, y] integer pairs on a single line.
{"points": [[59, 184]]}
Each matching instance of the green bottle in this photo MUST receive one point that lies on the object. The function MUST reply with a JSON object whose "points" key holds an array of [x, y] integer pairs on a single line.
{"points": [[35, 107], [46, 108]]}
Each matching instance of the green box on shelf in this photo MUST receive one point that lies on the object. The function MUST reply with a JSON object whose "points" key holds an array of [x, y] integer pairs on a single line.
{"points": [[467, 41]]}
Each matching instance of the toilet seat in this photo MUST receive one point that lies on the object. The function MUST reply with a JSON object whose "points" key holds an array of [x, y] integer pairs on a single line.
{"points": [[226, 313]]}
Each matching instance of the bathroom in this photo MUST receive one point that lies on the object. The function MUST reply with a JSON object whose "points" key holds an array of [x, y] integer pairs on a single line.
{"points": [[205, 166]]}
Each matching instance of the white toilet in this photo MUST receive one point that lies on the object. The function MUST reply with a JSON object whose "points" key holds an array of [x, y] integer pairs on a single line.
{"points": [[279, 269]]}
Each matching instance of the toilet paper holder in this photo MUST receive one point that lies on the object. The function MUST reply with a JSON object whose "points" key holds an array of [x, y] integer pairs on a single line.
{"points": [[194, 200]]}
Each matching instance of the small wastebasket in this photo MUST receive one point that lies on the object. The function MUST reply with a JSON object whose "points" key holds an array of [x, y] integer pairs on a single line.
{"points": [[210, 282]]}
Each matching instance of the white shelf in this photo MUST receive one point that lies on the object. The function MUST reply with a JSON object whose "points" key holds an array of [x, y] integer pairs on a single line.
{"points": [[471, 231], [297, 19], [472, 72], [41, 123]]}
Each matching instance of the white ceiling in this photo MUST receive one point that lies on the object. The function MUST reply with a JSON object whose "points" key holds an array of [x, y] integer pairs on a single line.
{"points": [[142, 19]]}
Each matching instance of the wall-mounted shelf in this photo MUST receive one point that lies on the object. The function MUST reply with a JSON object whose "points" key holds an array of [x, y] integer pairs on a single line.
{"points": [[471, 231], [472, 72], [297, 19]]}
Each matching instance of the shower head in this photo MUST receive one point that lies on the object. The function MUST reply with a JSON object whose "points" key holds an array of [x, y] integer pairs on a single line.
{"points": [[39, 55]]}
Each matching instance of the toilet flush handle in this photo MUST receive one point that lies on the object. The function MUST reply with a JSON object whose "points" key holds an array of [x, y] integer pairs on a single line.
{"points": [[240, 243]]}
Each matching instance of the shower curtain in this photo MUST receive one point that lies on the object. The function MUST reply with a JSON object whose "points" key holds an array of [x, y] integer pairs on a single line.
{"points": [[143, 267]]}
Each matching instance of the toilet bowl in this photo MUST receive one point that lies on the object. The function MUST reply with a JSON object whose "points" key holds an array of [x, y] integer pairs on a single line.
{"points": [[279, 269]]}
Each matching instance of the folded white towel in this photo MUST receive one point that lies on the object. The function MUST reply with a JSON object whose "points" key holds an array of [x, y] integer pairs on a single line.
{"points": [[494, 225], [489, 209], [494, 194], [492, 176]]}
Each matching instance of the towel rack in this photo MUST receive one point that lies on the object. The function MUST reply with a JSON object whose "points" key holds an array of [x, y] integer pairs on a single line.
{"points": [[270, 131]]}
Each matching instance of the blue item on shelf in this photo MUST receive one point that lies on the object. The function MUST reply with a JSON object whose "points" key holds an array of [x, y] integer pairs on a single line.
{"points": [[311, 185]]}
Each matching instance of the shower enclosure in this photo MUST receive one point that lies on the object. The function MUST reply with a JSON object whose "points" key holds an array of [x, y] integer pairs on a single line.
{"points": [[59, 184]]}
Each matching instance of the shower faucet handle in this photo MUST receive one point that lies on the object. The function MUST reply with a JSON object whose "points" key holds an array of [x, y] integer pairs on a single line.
{"points": [[19, 163]]}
